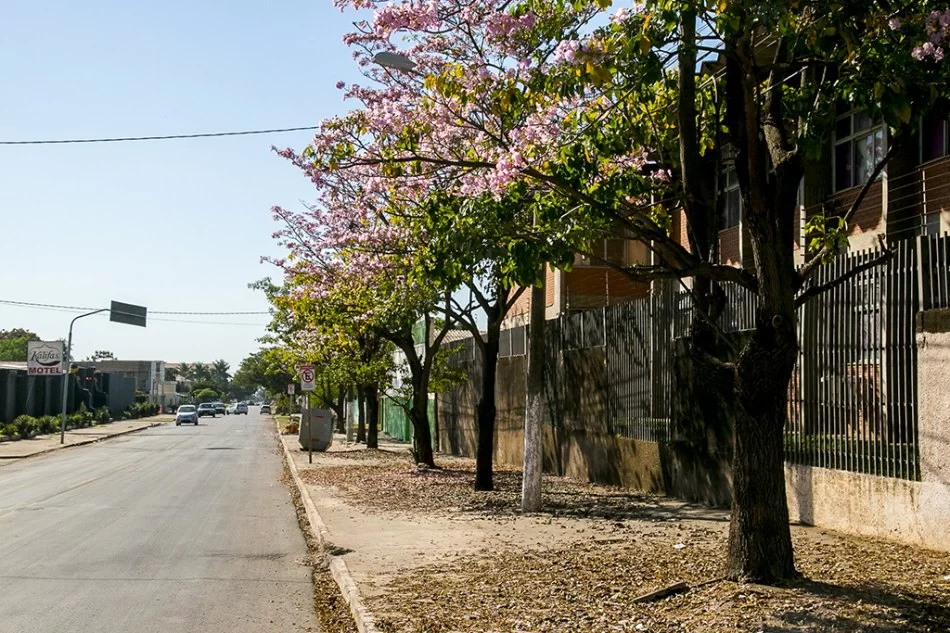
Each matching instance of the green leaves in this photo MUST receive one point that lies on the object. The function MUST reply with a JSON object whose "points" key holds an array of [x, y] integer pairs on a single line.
{"points": [[828, 233]]}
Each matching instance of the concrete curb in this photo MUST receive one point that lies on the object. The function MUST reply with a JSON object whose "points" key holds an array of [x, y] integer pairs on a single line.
{"points": [[91, 440], [363, 617]]}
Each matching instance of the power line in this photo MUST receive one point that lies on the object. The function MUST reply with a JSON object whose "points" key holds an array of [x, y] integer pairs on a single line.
{"points": [[50, 306], [204, 313], [167, 137], [209, 322]]}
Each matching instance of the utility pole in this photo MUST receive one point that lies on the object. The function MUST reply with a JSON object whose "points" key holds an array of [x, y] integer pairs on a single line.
{"points": [[66, 374], [119, 313]]}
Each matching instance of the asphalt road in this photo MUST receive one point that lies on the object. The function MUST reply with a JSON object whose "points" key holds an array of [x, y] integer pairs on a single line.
{"points": [[171, 529]]}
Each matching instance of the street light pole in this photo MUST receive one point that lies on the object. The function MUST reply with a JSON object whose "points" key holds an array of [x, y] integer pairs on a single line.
{"points": [[66, 364]]}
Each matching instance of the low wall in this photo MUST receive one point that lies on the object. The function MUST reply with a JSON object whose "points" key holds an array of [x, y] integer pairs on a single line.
{"points": [[582, 450], [914, 512], [594, 457]]}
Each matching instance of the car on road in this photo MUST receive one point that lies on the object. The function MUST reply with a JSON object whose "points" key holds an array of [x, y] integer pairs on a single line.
{"points": [[186, 413], [206, 408], [265, 408], [240, 407], [220, 408]]}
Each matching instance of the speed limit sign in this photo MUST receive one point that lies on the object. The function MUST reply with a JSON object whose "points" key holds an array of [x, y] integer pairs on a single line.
{"points": [[307, 376]]}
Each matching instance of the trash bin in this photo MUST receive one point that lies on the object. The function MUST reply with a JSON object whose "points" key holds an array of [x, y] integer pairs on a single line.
{"points": [[316, 425]]}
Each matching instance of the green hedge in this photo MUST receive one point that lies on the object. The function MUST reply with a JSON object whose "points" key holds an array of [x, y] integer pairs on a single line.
{"points": [[26, 426]]}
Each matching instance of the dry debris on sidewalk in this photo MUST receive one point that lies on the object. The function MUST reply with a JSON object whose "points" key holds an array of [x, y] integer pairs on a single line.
{"points": [[616, 546]]}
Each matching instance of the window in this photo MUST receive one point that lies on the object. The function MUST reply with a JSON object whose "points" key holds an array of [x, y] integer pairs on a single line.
{"points": [[932, 224], [859, 146], [611, 250], [933, 138], [868, 311], [732, 201]]}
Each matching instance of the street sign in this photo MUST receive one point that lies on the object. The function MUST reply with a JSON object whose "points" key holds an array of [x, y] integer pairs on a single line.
{"points": [[307, 376], [44, 358], [128, 313], [290, 388]]}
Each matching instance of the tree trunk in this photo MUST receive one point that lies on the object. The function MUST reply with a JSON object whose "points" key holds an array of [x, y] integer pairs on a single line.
{"points": [[760, 543], [435, 423], [486, 411], [421, 437], [769, 170], [534, 393], [361, 414], [372, 416], [340, 411]]}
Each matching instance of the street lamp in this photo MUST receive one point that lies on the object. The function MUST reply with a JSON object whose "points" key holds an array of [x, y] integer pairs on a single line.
{"points": [[394, 61], [66, 374], [118, 312]]}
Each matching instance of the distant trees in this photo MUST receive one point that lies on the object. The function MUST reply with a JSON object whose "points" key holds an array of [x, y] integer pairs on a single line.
{"points": [[101, 354], [205, 395], [221, 376], [13, 344], [268, 369]]}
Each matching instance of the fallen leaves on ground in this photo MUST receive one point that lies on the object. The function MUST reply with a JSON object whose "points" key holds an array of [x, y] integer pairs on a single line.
{"points": [[848, 583], [392, 482]]}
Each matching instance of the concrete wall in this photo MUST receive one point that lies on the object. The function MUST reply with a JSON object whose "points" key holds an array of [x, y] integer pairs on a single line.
{"points": [[916, 512], [580, 448]]}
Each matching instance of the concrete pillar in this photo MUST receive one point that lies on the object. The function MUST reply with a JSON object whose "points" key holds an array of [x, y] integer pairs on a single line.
{"points": [[933, 377], [8, 395]]}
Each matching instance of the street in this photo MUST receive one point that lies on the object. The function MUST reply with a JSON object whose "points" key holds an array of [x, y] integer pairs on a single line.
{"points": [[170, 529]]}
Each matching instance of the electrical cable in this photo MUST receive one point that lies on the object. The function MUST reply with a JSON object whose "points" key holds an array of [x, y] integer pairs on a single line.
{"points": [[167, 137], [29, 304]]}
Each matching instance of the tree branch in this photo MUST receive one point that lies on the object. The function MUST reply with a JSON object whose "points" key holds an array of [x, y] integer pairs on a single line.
{"points": [[814, 291], [713, 272], [809, 267]]}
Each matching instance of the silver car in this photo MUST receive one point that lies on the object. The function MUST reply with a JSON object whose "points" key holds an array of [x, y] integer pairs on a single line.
{"points": [[186, 413]]}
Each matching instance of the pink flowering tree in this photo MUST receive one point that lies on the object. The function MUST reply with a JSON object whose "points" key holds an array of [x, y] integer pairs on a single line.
{"points": [[623, 125], [350, 285]]}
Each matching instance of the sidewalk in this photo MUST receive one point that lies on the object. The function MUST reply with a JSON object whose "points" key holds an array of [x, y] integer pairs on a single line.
{"points": [[77, 437], [419, 550]]}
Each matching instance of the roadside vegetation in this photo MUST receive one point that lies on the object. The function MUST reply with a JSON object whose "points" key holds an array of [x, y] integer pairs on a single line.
{"points": [[25, 427]]}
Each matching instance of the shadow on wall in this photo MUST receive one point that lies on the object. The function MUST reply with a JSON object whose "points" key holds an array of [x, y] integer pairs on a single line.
{"points": [[693, 463], [697, 459]]}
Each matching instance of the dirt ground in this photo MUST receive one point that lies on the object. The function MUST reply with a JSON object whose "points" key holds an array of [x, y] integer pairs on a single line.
{"points": [[579, 565]]}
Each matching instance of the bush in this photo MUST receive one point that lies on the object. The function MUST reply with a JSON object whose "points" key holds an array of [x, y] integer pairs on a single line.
{"points": [[85, 415], [9, 429], [75, 421], [25, 426], [47, 424], [103, 416]]}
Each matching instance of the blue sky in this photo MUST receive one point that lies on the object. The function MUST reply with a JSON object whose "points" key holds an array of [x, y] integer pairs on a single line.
{"points": [[172, 225]]}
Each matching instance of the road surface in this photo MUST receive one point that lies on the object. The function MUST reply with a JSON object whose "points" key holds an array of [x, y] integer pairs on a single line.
{"points": [[171, 529]]}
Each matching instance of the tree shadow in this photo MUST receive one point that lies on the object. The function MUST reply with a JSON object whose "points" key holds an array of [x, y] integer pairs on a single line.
{"points": [[904, 611], [564, 499]]}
